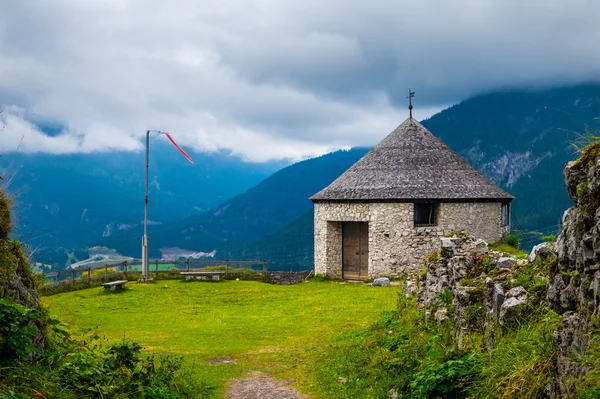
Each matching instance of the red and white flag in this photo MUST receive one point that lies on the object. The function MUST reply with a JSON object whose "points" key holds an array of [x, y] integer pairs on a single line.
{"points": [[178, 147]]}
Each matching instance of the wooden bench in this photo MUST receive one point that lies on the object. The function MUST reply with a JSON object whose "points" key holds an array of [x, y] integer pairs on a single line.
{"points": [[113, 285], [215, 275]]}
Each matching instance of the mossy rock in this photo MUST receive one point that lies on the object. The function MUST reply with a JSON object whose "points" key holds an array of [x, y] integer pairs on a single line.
{"points": [[588, 156], [5, 222]]}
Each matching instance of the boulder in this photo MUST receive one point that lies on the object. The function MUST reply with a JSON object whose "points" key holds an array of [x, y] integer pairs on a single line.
{"points": [[493, 297], [542, 252], [451, 242], [410, 288], [506, 262], [513, 305], [477, 246], [381, 282]]}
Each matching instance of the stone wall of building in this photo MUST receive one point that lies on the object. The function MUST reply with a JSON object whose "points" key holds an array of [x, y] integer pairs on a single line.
{"points": [[396, 246], [481, 219]]}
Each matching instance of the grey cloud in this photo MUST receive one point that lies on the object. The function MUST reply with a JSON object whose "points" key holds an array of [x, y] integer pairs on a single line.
{"points": [[271, 79]]}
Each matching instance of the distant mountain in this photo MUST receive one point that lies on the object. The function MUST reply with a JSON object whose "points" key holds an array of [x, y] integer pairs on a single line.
{"points": [[290, 248], [519, 139], [262, 210], [67, 202]]}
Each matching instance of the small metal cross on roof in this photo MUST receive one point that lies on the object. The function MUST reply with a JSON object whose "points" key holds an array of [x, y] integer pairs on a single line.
{"points": [[411, 94]]}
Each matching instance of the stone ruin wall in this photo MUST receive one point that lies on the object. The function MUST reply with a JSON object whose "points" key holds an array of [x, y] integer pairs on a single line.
{"points": [[396, 247], [574, 285]]}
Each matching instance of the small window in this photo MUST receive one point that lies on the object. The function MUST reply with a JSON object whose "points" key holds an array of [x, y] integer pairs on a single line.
{"points": [[505, 215], [425, 214]]}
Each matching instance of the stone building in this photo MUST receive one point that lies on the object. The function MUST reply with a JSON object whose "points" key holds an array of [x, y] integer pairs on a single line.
{"points": [[387, 212]]}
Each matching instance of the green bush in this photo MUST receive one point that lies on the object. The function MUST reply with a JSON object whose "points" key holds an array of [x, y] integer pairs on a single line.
{"points": [[549, 238], [17, 331], [513, 240], [85, 368], [444, 379]]}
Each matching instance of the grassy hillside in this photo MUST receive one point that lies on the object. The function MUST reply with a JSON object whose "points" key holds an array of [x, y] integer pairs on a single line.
{"points": [[261, 327]]}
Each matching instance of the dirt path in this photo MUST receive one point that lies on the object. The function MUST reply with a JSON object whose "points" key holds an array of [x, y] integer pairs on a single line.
{"points": [[259, 386]]}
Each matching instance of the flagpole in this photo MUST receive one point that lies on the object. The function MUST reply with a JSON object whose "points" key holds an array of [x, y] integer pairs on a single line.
{"points": [[145, 257], [145, 244]]}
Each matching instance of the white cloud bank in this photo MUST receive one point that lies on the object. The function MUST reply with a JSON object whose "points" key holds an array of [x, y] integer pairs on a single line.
{"points": [[269, 79]]}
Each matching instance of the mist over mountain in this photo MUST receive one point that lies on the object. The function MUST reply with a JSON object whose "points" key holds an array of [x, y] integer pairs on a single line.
{"points": [[519, 139], [68, 202]]}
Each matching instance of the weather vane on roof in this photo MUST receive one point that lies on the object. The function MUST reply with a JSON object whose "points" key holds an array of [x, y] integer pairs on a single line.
{"points": [[411, 94]]}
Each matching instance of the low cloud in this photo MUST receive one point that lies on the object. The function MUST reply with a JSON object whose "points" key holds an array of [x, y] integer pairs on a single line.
{"points": [[270, 79]]}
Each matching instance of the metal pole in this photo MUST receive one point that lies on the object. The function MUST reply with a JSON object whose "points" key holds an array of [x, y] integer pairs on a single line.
{"points": [[145, 266]]}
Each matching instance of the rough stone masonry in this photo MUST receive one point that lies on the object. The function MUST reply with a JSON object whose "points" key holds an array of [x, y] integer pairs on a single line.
{"points": [[396, 246]]}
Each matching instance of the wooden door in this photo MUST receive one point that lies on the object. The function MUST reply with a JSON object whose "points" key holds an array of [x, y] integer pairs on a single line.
{"points": [[355, 250]]}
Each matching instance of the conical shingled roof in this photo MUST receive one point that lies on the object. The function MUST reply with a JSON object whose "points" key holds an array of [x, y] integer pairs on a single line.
{"points": [[411, 164]]}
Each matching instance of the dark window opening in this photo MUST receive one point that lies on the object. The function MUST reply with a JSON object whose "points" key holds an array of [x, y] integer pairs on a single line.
{"points": [[425, 214], [505, 215]]}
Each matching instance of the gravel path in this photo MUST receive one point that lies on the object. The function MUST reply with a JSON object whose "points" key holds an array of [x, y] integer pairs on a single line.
{"points": [[261, 387]]}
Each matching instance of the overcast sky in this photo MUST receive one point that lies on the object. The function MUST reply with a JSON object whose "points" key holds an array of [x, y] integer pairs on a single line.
{"points": [[270, 79]]}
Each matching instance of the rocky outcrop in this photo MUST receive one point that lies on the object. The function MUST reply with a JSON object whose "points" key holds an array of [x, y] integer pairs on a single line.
{"points": [[513, 306], [17, 283], [574, 283], [542, 252], [459, 278]]}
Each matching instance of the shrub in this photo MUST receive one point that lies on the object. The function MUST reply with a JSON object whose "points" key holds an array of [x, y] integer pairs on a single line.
{"points": [[549, 238], [443, 380], [513, 240], [16, 331]]}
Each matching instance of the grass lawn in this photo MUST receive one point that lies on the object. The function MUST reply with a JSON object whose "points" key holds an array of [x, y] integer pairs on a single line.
{"points": [[268, 328]]}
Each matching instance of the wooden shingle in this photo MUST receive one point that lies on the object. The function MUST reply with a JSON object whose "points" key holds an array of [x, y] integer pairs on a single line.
{"points": [[411, 164]]}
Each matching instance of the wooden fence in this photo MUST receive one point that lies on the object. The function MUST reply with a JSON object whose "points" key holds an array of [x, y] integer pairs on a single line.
{"points": [[125, 268]]}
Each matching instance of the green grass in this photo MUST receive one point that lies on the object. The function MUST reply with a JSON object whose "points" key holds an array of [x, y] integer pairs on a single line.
{"points": [[269, 328], [508, 249]]}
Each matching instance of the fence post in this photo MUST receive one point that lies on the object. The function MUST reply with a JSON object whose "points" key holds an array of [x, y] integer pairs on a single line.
{"points": [[188, 264], [89, 274], [265, 268], [125, 270], [105, 273], [156, 268], [57, 278], [227, 268]]}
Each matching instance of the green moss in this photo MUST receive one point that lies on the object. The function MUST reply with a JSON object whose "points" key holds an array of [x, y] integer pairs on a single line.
{"points": [[463, 235], [589, 154], [465, 282], [586, 199], [14, 265], [432, 257], [5, 222]]}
